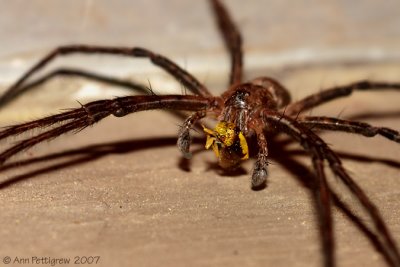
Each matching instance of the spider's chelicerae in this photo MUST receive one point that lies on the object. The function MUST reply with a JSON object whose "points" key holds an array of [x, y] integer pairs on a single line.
{"points": [[253, 110]]}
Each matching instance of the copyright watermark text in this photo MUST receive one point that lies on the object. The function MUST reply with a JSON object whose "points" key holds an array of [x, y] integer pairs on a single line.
{"points": [[51, 261]]}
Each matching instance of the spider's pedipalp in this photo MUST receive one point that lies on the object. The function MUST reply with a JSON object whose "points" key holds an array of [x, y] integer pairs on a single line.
{"points": [[184, 137], [260, 171]]}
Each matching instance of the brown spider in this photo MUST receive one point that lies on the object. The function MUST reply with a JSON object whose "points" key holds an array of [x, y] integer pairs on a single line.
{"points": [[257, 109]]}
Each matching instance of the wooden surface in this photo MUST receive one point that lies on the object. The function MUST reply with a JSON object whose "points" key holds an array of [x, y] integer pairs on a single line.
{"points": [[120, 190]]}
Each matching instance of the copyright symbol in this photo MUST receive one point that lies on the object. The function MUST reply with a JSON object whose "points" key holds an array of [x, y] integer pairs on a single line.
{"points": [[6, 260]]}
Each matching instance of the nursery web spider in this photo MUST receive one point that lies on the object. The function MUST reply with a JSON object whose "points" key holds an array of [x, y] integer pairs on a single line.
{"points": [[252, 110]]}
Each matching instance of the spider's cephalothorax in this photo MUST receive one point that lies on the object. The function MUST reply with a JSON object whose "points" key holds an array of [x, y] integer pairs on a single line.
{"points": [[243, 103], [240, 119], [246, 110]]}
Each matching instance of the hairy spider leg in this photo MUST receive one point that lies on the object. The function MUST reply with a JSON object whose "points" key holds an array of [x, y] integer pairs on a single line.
{"points": [[335, 124], [90, 113], [336, 92], [28, 86], [166, 64], [311, 143], [298, 168], [232, 40], [317, 147]]}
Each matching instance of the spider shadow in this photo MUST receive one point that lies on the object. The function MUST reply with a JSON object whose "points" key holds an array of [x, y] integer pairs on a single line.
{"points": [[185, 165], [371, 115], [82, 155], [279, 154], [306, 178]]}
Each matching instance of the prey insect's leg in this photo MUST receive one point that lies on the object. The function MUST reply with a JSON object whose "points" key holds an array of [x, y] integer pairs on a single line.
{"points": [[336, 92], [334, 124]]}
